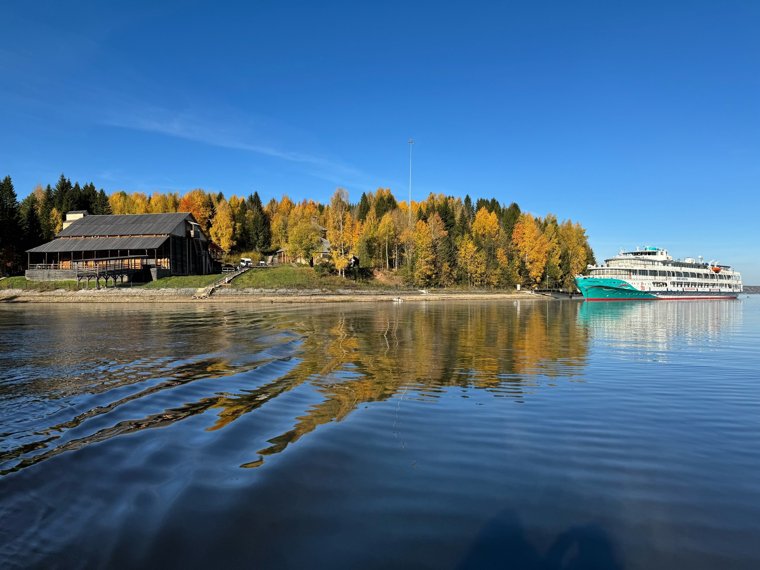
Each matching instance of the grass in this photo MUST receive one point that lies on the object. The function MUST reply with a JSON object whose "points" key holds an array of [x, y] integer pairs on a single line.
{"points": [[177, 282], [21, 282], [295, 277], [280, 277], [183, 282]]}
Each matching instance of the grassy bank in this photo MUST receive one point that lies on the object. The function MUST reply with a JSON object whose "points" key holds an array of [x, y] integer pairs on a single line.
{"points": [[21, 282], [182, 282], [271, 278], [294, 277]]}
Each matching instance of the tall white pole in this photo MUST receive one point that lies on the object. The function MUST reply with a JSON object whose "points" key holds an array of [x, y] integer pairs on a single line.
{"points": [[411, 142]]}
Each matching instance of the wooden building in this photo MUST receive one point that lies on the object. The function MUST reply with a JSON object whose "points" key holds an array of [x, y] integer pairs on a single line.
{"points": [[140, 247]]}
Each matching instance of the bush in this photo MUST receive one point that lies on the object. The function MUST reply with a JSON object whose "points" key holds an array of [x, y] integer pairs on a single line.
{"points": [[359, 273], [323, 269]]}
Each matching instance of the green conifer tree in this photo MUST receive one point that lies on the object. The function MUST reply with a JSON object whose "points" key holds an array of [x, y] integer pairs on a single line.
{"points": [[11, 236]]}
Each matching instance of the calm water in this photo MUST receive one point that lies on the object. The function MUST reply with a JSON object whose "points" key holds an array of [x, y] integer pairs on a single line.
{"points": [[457, 435]]}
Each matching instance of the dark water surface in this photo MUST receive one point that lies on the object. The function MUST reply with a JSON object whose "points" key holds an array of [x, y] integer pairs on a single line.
{"points": [[426, 435]]}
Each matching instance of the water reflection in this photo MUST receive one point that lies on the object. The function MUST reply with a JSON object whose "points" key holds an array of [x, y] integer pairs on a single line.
{"points": [[98, 373], [658, 326], [412, 435]]}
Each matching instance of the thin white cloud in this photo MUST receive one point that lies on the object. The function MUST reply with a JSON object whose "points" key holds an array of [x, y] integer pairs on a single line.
{"points": [[217, 133]]}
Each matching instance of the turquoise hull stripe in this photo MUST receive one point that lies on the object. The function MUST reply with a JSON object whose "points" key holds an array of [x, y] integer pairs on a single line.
{"points": [[609, 289]]}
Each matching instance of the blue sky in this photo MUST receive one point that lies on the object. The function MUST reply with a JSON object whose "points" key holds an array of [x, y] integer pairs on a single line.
{"points": [[641, 120]]}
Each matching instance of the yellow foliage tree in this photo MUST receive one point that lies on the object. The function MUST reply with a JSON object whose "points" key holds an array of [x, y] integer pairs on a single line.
{"points": [[119, 202], [138, 203], [551, 232], [574, 246], [532, 246], [471, 261], [56, 221], [304, 240], [340, 227], [223, 226], [424, 255], [387, 235]]}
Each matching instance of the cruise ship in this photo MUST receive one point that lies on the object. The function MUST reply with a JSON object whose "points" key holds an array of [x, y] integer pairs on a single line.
{"points": [[651, 273]]}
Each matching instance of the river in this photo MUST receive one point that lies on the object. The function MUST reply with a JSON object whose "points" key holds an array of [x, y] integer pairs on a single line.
{"points": [[525, 434]]}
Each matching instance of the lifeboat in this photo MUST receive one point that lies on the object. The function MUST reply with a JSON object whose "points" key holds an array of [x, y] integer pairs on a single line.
{"points": [[715, 269]]}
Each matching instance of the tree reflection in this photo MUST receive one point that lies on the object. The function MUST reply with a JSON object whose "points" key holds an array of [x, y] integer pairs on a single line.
{"points": [[348, 356], [355, 357]]}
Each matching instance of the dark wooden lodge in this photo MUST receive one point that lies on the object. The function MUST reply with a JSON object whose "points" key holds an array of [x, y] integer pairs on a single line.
{"points": [[136, 247]]}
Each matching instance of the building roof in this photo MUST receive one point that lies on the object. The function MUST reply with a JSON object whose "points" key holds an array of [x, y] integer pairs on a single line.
{"points": [[61, 245], [124, 225]]}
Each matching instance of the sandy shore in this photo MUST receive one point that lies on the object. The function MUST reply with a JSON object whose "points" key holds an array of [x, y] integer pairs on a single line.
{"points": [[253, 296]]}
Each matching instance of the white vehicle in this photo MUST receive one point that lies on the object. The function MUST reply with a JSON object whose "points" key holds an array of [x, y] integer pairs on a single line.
{"points": [[246, 262]]}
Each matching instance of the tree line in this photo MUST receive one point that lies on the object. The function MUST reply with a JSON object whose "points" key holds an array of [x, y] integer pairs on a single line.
{"points": [[441, 241], [39, 216]]}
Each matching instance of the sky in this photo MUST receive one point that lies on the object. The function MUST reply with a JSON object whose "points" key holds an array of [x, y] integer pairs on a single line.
{"points": [[638, 119]]}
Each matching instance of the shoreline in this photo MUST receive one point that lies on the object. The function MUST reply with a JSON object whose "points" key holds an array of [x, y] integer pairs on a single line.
{"points": [[255, 296]]}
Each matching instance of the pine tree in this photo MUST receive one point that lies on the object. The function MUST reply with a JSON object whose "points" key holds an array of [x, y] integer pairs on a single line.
{"points": [[363, 209], [468, 209], [11, 235], [30, 222], [260, 230], [242, 237], [102, 206], [62, 195], [384, 203], [45, 209], [89, 198], [509, 217]]}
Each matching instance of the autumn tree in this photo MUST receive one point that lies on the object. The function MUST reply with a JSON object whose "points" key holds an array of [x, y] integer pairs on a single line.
{"points": [[574, 252], [424, 255], [279, 221], [161, 203], [138, 203], [119, 202], [56, 221], [200, 205], [387, 237], [485, 232], [304, 240], [471, 262], [532, 246], [222, 228], [367, 246], [552, 271], [339, 227]]}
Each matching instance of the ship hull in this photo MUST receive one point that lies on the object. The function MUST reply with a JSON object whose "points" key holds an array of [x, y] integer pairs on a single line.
{"points": [[599, 289]]}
